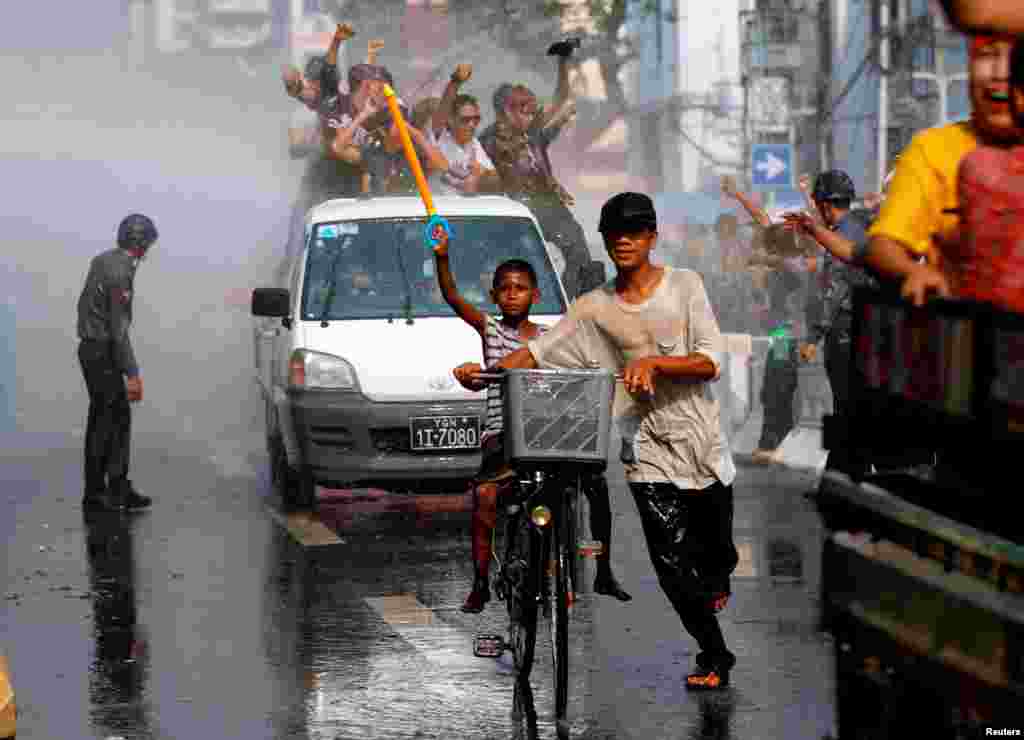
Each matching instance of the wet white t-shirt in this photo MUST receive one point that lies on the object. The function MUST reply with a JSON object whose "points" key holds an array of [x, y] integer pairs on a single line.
{"points": [[460, 161], [675, 437]]}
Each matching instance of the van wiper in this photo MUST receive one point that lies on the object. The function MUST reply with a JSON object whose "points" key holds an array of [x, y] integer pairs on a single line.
{"points": [[332, 285], [407, 302]]}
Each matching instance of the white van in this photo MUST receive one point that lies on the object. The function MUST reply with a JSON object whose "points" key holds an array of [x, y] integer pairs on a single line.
{"points": [[355, 346]]}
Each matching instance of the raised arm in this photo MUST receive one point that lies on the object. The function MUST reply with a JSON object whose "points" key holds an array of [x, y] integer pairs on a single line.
{"points": [[805, 185], [445, 110], [446, 280], [563, 96], [343, 33], [373, 50], [756, 212]]}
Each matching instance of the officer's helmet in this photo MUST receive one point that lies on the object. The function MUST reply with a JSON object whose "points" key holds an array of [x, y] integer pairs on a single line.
{"points": [[136, 232], [834, 185]]}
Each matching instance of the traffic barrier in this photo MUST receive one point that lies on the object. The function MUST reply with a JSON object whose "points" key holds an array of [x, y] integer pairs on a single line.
{"points": [[802, 447], [739, 390], [8, 711]]}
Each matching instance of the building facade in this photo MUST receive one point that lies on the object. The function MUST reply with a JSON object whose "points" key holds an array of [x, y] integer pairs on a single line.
{"points": [[925, 82], [784, 71]]}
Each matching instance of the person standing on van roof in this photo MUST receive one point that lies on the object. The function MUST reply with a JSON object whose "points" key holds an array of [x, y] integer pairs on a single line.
{"points": [[452, 129], [331, 171], [518, 144], [678, 463], [108, 364], [514, 292]]}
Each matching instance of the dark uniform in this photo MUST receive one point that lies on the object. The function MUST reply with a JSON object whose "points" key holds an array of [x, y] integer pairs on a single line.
{"points": [[106, 356], [834, 323]]}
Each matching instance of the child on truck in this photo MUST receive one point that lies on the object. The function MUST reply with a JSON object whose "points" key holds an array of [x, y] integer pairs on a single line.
{"points": [[514, 291]]}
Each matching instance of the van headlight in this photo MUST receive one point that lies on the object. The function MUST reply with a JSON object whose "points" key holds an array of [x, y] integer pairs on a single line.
{"points": [[313, 370]]}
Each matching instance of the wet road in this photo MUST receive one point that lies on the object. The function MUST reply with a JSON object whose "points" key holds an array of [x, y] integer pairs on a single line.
{"points": [[216, 616]]}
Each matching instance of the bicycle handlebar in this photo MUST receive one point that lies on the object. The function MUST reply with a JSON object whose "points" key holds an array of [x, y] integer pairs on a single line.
{"points": [[503, 376]]}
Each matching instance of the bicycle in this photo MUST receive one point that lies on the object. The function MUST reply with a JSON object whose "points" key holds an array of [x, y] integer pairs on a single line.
{"points": [[557, 425]]}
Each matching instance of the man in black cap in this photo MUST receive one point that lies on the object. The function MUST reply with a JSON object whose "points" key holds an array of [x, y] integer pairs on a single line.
{"points": [[655, 324], [108, 364]]}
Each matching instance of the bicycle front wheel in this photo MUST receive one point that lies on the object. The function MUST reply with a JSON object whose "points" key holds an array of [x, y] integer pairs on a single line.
{"points": [[560, 596], [522, 566]]}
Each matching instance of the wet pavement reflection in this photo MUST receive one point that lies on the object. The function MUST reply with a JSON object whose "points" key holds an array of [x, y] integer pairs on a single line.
{"points": [[219, 615], [118, 671]]}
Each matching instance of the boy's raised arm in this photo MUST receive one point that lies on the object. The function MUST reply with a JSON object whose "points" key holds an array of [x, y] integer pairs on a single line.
{"points": [[463, 308]]}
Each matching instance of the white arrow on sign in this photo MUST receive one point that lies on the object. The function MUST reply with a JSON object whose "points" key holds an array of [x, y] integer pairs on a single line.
{"points": [[771, 166]]}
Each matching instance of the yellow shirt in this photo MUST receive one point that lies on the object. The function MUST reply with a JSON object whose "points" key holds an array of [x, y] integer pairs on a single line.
{"points": [[923, 185]]}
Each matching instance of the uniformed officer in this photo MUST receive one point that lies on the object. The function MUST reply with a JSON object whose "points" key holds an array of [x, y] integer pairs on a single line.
{"points": [[108, 364]]}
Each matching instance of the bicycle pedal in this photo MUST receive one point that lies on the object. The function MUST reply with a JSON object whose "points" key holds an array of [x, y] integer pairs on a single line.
{"points": [[488, 646]]}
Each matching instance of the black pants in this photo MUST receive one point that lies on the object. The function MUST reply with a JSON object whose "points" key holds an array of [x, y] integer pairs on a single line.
{"points": [[689, 537], [838, 346], [108, 431], [777, 391], [595, 488], [561, 229]]}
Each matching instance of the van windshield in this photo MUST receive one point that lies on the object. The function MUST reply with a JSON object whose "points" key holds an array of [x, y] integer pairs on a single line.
{"points": [[383, 269]]}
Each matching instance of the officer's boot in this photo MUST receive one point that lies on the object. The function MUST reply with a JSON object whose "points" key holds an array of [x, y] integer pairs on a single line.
{"points": [[98, 497], [130, 499]]}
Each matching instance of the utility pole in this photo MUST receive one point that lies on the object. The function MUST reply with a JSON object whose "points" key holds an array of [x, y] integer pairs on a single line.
{"points": [[883, 90]]}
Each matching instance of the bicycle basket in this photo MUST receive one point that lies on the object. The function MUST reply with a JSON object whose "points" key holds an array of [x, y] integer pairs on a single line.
{"points": [[558, 416]]}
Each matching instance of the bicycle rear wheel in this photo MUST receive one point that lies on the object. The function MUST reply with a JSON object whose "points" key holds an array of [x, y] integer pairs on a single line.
{"points": [[560, 594]]}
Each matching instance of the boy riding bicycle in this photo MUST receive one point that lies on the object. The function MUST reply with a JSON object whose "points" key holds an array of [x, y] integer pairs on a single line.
{"points": [[678, 464], [514, 292]]}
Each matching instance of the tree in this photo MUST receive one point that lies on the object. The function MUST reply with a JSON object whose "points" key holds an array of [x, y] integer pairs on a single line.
{"points": [[525, 28]]}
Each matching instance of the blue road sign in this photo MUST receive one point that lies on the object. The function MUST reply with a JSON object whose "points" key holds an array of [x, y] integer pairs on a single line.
{"points": [[771, 165]]}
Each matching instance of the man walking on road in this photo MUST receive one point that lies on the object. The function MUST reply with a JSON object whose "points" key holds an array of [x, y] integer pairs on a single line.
{"points": [[108, 364], [659, 321]]}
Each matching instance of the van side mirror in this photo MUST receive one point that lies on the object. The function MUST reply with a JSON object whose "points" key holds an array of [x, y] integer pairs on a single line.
{"points": [[592, 275], [271, 302]]}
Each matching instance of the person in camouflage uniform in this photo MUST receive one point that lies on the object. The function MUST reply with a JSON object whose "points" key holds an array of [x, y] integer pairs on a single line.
{"points": [[518, 144]]}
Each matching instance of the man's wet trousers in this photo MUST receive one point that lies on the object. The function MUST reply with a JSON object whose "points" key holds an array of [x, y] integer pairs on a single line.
{"points": [[108, 431], [689, 536]]}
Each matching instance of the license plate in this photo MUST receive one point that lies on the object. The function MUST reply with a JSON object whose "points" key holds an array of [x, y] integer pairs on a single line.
{"points": [[428, 433]]}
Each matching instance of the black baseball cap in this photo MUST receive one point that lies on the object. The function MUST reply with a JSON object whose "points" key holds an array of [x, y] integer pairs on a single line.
{"points": [[628, 212]]}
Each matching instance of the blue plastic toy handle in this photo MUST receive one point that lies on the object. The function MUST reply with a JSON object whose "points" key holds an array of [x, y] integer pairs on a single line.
{"points": [[436, 220]]}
